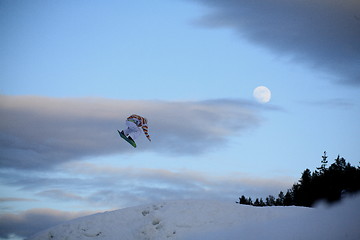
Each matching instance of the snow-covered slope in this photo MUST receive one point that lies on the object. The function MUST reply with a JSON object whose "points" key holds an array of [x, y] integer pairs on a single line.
{"points": [[195, 219]]}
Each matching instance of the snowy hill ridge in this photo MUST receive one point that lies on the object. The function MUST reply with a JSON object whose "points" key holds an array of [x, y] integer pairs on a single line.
{"points": [[195, 219]]}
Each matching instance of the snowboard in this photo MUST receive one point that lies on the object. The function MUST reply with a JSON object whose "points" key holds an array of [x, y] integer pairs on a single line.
{"points": [[127, 139]]}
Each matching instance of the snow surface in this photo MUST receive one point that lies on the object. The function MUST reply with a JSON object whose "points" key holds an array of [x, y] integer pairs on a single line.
{"points": [[195, 219]]}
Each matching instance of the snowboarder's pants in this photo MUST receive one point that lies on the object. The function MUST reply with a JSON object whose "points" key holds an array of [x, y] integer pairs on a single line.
{"points": [[133, 131]]}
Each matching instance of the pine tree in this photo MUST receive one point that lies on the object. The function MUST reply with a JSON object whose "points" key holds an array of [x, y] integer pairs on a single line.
{"points": [[288, 199], [280, 199], [270, 201], [257, 202], [305, 194], [243, 200], [323, 163]]}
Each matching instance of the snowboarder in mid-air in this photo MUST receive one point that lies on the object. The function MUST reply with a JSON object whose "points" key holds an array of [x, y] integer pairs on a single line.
{"points": [[134, 123]]}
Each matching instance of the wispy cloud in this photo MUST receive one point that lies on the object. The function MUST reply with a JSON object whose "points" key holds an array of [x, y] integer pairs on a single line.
{"points": [[60, 195], [105, 186], [12, 199], [323, 34], [40, 132], [338, 103], [29, 222]]}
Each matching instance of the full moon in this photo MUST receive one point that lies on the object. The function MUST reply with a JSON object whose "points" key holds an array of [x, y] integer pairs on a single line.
{"points": [[262, 94]]}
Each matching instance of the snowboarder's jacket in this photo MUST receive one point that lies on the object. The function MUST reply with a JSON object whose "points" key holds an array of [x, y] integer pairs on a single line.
{"points": [[140, 122]]}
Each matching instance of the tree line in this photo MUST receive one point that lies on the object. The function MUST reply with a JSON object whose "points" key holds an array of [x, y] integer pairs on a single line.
{"points": [[325, 183]]}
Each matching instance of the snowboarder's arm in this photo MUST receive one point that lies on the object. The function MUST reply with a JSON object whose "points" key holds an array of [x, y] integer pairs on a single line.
{"points": [[145, 130]]}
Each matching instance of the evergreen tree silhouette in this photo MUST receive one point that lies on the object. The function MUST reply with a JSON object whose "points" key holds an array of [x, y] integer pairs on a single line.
{"points": [[329, 184], [280, 200], [323, 163]]}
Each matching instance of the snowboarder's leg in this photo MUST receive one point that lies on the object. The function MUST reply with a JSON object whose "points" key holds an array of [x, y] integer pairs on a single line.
{"points": [[129, 128], [135, 134], [133, 131]]}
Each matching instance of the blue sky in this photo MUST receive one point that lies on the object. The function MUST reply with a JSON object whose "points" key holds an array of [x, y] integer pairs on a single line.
{"points": [[72, 71]]}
